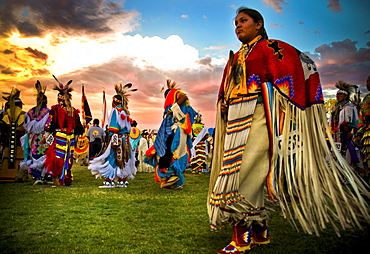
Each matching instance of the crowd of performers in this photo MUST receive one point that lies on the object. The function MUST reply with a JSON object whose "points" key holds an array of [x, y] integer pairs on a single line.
{"points": [[45, 142], [117, 163], [48, 139], [59, 128], [271, 131]]}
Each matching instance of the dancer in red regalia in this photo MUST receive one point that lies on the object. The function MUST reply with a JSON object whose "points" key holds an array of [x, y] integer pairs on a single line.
{"points": [[64, 125]]}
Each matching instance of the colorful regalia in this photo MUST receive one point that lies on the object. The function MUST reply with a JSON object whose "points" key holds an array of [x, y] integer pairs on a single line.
{"points": [[13, 118], [170, 154], [275, 135], [34, 145], [199, 151], [117, 163], [64, 125], [135, 137], [364, 133], [343, 123], [81, 151], [145, 143]]}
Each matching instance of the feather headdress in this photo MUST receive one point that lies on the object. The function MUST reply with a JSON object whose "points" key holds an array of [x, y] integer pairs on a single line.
{"points": [[64, 93], [40, 96], [123, 92], [170, 85], [11, 99], [345, 87], [198, 117]]}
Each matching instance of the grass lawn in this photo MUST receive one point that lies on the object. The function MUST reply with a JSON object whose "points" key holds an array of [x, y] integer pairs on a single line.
{"points": [[139, 219]]}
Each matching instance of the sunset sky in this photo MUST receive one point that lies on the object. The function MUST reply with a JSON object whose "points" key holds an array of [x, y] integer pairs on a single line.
{"points": [[100, 43]]}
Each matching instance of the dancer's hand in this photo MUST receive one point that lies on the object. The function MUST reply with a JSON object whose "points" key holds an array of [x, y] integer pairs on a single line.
{"points": [[224, 108]]}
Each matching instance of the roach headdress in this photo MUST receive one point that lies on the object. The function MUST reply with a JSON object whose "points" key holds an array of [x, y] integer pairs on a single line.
{"points": [[123, 92], [64, 93], [40, 96], [344, 87]]}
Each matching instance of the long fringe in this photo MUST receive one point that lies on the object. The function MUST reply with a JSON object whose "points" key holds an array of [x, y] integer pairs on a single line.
{"points": [[101, 167], [313, 183], [35, 126]]}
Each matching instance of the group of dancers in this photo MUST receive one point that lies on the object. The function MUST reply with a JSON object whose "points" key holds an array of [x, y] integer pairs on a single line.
{"points": [[271, 137], [48, 139]]}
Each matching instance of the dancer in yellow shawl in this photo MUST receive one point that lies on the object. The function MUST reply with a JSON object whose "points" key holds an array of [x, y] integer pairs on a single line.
{"points": [[13, 119], [271, 129]]}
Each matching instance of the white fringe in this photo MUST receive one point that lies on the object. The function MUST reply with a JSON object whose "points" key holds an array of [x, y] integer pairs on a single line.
{"points": [[311, 182], [100, 167], [34, 126]]}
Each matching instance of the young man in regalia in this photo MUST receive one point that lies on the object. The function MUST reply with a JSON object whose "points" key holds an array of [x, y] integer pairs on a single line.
{"points": [[364, 132], [64, 126], [343, 123], [170, 154], [117, 163], [13, 118]]}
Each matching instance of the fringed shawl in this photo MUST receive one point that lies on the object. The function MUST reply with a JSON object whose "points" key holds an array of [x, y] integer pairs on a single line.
{"points": [[35, 123], [307, 176]]}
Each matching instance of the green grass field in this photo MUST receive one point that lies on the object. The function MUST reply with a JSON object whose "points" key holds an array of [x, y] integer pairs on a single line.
{"points": [[139, 219]]}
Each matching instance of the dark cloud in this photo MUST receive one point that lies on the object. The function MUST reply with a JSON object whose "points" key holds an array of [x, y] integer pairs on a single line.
{"points": [[343, 60], [343, 53], [28, 29], [7, 51], [70, 17], [40, 72], [37, 54], [334, 5], [206, 61], [8, 71], [276, 4], [21, 61]]}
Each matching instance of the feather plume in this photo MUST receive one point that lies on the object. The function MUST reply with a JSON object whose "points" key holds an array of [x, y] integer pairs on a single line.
{"points": [[170, 85], [6, 96], [65, 93], [342, 85], [124, 92], [40, 93]]}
